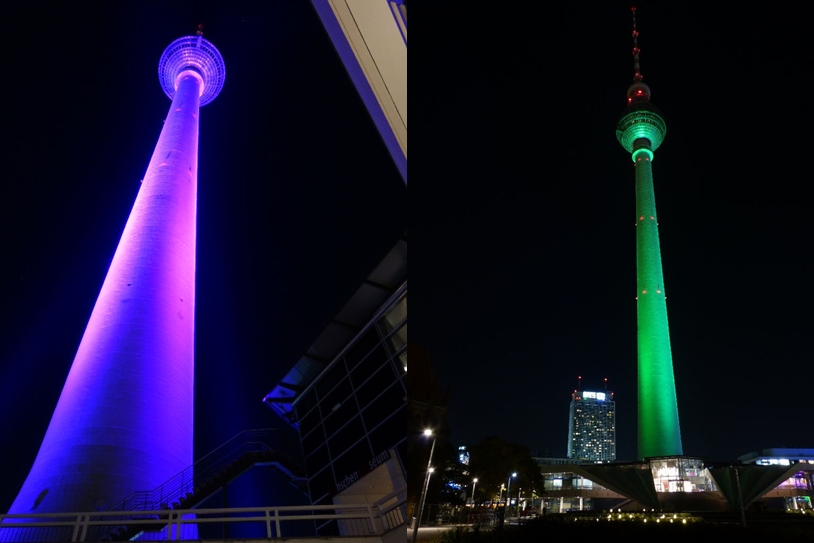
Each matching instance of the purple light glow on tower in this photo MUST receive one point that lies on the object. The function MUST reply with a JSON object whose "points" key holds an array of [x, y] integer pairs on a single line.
{"points": [[124, 420]]}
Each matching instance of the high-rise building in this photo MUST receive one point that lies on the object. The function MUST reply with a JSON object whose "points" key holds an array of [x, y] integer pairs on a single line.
{"points": [[640, 130], [592, 427], [124, 419]]}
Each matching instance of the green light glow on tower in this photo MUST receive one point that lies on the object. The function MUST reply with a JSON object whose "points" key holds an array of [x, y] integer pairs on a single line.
{"points": [[640, 130]]}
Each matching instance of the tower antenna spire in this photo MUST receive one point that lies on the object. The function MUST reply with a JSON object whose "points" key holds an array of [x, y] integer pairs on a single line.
{"points": [[637, 72]]}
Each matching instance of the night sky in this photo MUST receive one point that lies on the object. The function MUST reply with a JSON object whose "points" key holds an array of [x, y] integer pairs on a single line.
{"points": [[298, 198], [523, 257]]}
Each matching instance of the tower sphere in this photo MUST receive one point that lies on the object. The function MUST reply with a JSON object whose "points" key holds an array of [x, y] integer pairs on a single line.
{"points": [[639, 90], [197, 54], [640, 120]]}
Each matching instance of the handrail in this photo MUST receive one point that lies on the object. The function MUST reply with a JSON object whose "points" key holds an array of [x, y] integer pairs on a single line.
{"points": [[355, 519], [185, 481], [170, 494], [395, 514]]}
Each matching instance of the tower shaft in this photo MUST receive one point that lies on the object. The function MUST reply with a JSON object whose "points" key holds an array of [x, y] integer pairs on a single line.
{"points": [[659, 433], [641, 130], [124, 419]]}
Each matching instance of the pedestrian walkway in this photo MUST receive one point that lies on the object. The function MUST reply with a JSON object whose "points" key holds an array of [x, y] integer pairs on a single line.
{"points": [[427, 533]]}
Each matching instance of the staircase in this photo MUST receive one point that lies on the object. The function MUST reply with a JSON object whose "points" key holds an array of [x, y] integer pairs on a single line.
{"points": [[200, 481]]}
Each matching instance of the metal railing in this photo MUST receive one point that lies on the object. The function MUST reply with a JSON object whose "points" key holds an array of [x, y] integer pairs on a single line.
{"points": [[197, 474], [355, 519], [193, 484], [392, 509], [197, 480]]}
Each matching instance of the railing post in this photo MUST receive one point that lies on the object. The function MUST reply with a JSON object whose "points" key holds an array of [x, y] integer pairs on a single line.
{"points": [[268, 524], [76, 528], [179, 524], [372, 528], [169, 526], [277, 521]]}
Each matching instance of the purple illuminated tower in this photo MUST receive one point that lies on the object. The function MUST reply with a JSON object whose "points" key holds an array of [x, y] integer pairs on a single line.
{"points": [[124, 419]]}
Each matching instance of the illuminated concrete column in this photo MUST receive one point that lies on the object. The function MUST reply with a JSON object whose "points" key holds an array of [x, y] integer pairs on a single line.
{"points": [[124, 419], [659, 432], [640, 130]]}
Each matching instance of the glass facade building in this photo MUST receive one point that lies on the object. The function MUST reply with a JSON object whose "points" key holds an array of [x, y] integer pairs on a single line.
{"points": [[681, 474], [347, 396], [354, 417], [592, 427]]}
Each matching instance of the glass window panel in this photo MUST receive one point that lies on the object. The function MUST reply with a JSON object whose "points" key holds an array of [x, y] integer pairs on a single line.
{"points": [[331, 377], [329, 529], [308, 401], [321, 486], [312, 441], [401, 451], [362, 347], [377, 382], [386, 404], [346, 437], [391, 432], [317, 460], [338, 395], [396, 314], [378, 357], [346, 411], [309, 421], [353, 460], [399, 337]]}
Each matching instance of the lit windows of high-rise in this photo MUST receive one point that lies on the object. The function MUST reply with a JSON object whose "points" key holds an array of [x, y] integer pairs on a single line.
{"points": [[592, 427]]}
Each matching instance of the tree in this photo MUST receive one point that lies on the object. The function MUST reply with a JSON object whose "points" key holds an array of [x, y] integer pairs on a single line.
{"points": [[493, 460]]}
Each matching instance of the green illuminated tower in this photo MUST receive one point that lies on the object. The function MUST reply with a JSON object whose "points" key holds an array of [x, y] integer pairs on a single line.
{"points": [[641, 130]]}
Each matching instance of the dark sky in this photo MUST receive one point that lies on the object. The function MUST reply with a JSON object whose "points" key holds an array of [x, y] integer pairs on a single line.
{"points": [[523, 252], [298, 198]]}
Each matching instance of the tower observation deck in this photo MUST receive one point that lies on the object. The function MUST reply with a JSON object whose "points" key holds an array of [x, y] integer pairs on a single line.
{"points": [[124, 419], [641, 130]]}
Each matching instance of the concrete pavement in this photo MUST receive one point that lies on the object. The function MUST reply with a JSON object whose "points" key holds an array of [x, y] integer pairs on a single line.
{"points": [[427, 533]]}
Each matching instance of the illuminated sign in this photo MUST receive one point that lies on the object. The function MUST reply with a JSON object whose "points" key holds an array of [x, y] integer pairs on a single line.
{"points": [[594, 395]]}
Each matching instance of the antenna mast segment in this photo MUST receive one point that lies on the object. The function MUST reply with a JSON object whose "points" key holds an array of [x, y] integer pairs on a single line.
{"points": [[637, 74]]}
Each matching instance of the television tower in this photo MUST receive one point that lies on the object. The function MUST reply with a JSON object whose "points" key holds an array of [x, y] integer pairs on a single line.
{"points": [[124, 419], [640, 130]]}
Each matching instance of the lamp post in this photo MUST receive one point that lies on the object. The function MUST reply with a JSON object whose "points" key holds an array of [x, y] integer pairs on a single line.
{"points": [[508, 493], [474, 483], [427, 433]]}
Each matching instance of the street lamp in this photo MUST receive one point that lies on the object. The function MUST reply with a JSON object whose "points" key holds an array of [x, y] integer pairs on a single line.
{"points": [[427, 433], [474, 483], [508, 493]]}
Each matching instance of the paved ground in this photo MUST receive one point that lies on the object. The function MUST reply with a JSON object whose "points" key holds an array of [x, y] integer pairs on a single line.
{"points": [[426, 533]]}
